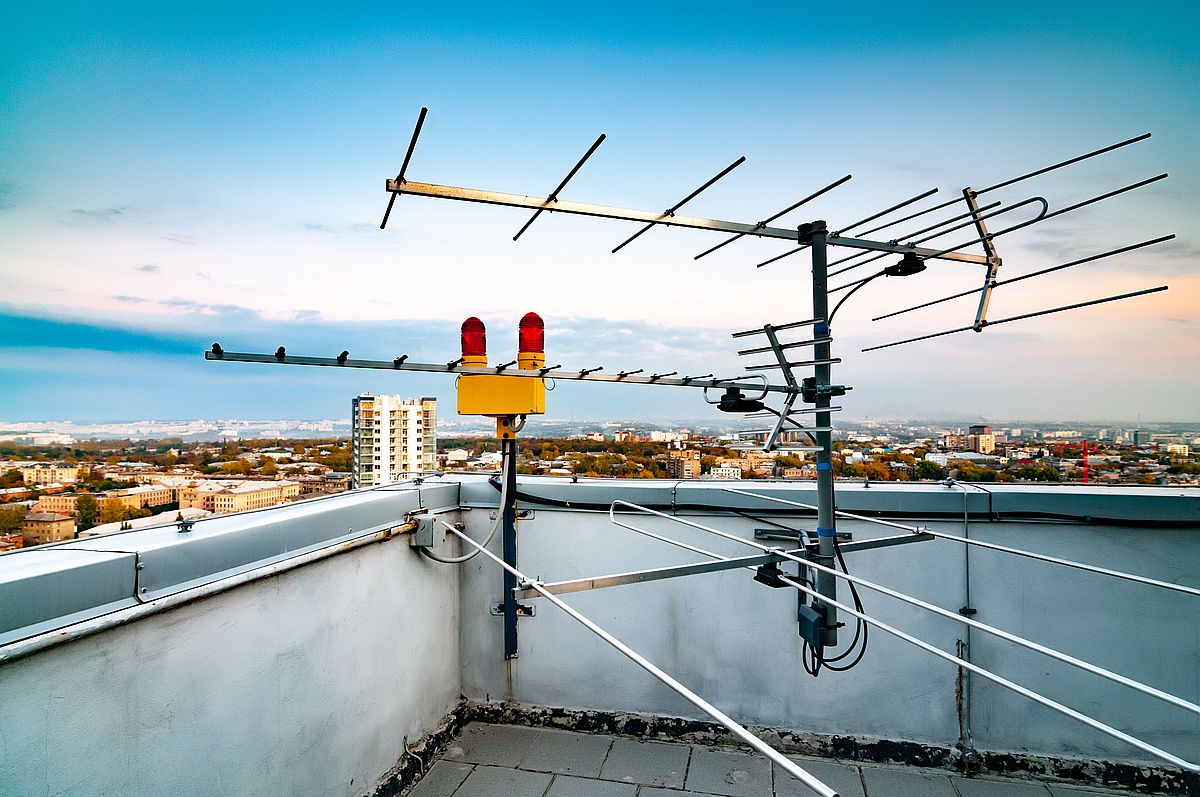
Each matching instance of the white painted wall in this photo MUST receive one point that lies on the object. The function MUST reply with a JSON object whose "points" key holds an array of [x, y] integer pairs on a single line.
{"points": [[303, 683]]}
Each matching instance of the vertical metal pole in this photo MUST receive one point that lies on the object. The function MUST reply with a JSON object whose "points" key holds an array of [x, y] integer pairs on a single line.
{"points": [[826, 523], [509, 541], [993, 264]]}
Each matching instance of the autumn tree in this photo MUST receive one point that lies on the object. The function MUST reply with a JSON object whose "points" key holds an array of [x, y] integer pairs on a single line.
{"points": [[11, 517], [239, 467], [88, 509], [927, 469]]}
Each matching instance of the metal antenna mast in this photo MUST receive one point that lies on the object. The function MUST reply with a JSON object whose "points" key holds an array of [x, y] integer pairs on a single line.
{"points": [[916, 250]]}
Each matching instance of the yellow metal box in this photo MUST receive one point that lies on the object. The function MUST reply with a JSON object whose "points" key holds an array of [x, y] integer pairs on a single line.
{"points": [[487, 394]]}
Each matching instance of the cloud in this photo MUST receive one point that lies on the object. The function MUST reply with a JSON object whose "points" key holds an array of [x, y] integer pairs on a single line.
{"points": [[26, 332], [149, 268], [96, 215], [340, 230], [180, 238], [129, 299]]}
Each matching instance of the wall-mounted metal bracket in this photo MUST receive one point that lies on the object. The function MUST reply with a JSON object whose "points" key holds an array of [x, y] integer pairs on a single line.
{"points": [[523, 610], [429, 532], [522, 514]]}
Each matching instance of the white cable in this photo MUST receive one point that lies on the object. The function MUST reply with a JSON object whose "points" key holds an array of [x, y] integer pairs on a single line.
{"points": [[509, 462]]}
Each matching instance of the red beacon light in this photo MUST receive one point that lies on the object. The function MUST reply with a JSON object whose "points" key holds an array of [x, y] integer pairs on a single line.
{"points": [[531, 342], [474, 342]]}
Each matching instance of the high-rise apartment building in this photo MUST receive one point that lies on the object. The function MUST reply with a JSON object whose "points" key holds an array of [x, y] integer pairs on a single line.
{"points": [[393, 438]]}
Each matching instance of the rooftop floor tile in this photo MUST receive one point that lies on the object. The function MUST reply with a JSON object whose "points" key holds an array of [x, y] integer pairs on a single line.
{"points": [[519, 761]]}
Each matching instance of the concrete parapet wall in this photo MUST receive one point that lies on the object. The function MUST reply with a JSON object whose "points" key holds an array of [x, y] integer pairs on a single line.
{"points": [[735, 641], [305, 682]]}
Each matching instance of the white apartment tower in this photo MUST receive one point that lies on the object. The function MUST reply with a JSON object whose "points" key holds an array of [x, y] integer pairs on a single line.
{"points": [[393, 438]]}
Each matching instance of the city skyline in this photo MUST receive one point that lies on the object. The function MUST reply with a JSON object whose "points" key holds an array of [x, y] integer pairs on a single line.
{"points": [[179, 178]]}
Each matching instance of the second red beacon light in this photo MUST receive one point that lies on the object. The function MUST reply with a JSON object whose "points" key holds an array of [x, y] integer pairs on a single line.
{"points": [[531, 342]]}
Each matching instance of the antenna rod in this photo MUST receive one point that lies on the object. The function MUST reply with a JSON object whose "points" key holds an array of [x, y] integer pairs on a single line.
{"points": [[1101, 151], [835, 235], [783, 212], [404, 166], [554, 194], [1059, 212], [1038, 273], [908, 237], [788, 253], [910, 217], [671, 210], [886, 211], [1022, 317]]}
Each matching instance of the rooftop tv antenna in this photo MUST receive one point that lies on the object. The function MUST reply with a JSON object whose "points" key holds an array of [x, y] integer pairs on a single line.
{"points": [[747, 395]]}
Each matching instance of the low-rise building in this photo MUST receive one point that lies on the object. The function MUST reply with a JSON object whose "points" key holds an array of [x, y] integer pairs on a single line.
{"points": [[39, 528], [9, 494], [231, 495], [48, 473]]}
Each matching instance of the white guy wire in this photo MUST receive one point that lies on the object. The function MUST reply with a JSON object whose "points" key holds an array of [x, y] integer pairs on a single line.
{"points": [[787, 764], [998, 679], [1104, 571], [1066, 658]]}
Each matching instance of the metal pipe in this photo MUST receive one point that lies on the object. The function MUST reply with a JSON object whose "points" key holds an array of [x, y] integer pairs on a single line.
{"points": [[993, 546], [783, 212], [651, 574], [1023, 691], [586, 374], [671, 210], [1031, 274], [826, 518], [1022, 317], [554, 194], [968, 737], [509, 544], [787, 764], [652, 218]]}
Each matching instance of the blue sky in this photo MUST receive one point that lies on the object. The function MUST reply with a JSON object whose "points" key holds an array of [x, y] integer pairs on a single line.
{"points": [[173, 177]]}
